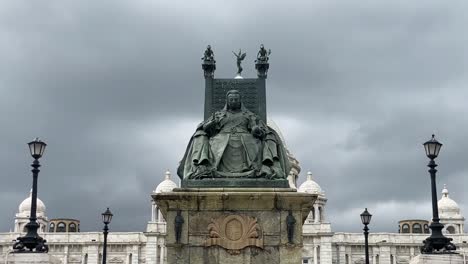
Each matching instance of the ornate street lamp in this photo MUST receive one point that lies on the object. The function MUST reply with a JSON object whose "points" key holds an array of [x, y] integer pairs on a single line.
{"points": [[32, 241], [106, 219], [365, 218], [437, 240]]}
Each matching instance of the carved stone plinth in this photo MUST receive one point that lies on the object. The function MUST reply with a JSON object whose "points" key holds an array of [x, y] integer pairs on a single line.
{"points": [[438, 259], [31, 258], [235, 225]]}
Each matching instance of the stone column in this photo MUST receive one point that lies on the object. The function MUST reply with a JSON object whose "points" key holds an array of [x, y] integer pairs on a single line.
{"points": [[156, 256], [326, 250], [135, 254], [93, 254], [151, 249], [153, 215], [65, 258], [315, 255], [161, 254], [342, 254], [316, 213], [374, 259]]}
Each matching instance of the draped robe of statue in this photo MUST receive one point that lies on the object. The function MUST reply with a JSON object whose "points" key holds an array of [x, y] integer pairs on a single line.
{"points": [[234, 144]]}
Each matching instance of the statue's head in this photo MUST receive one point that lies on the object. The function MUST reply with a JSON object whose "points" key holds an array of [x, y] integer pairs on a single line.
{"points": [[208, 47], [261, 46], [233, 100]]}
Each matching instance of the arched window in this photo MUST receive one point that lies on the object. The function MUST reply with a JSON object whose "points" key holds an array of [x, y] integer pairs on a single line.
{"points": [[61, 227], [52, 227], [72, 227], [405, 228], [426, 229], [417, 229], [451, 230]]}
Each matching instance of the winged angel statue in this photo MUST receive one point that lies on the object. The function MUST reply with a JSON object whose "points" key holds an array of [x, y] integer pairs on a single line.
{"points": [[240, 57]]}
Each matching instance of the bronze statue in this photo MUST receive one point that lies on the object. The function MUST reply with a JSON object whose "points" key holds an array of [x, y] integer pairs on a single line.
{"points": [[208, 56], [240, 57], [234, 143], [290, 224], [262, 55], [178, 223]]}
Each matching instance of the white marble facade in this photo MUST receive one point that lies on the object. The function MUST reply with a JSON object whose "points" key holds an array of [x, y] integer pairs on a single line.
{"points": [[321, 245]]}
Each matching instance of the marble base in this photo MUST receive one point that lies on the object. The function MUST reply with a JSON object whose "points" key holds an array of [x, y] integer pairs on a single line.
{"points": [[438, 259], [32, 258], [231, 225]]}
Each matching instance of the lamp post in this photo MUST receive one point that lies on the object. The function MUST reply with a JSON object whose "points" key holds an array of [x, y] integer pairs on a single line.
{"points": [[106, 219], [32, 241], [365, 218], [437, 240]]}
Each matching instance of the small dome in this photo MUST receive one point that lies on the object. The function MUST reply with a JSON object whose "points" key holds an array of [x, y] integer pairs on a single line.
{"points": [[448, 208], [24, 208], [167, 185], [310, 186]]}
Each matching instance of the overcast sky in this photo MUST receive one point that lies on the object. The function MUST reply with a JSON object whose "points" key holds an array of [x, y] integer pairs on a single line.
{"points": [[116, 89]]}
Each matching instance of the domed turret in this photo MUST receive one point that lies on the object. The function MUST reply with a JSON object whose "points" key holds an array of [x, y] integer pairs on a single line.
{"points": [[24, 211], [449, 213], [310, 186], [167, 185], [317, 215], [447, 207]]}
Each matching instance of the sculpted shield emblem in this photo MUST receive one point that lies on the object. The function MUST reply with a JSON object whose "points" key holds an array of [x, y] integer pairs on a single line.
{"points": [[234, 232]]}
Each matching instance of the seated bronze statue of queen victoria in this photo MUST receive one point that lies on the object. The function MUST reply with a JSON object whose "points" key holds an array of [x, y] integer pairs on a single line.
{"points": [[234, 143]]}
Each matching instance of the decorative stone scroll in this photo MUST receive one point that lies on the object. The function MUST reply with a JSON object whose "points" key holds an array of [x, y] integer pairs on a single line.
{"points": [[234, 232]]}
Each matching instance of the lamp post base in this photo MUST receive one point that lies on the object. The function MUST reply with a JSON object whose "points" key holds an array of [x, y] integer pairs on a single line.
{"points": [[30, 244], [437, 241]]}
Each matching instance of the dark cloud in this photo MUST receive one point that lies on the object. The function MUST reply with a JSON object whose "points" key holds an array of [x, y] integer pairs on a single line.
{"points": [[116, 89]]}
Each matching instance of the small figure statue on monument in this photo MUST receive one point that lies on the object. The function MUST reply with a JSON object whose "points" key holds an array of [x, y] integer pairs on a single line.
{"points": [[240, 57], [178, 223], [234, 143], [261, 63], [209, 63], [208, 56], [290, 224], [262, 55]]}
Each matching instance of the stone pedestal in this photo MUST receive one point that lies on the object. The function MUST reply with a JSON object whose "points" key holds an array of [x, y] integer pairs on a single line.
{"points": [[438, 259], [234, 225], [31, 258]]}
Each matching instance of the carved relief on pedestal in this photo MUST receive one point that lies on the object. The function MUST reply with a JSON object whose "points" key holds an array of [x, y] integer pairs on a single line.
{"points": [[234, 232]]}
